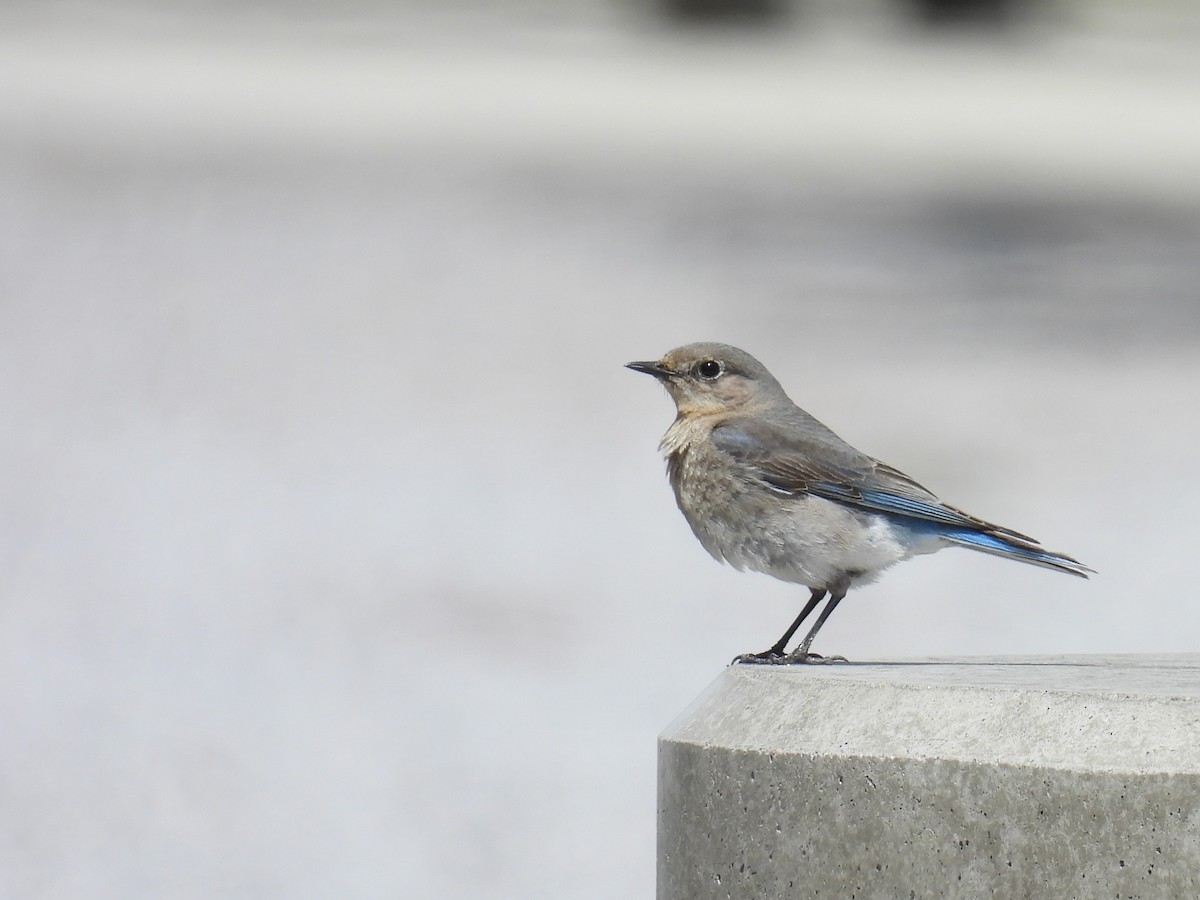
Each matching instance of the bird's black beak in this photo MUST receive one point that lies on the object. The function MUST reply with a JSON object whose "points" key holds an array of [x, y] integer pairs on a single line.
{"points": [[658, 370]]}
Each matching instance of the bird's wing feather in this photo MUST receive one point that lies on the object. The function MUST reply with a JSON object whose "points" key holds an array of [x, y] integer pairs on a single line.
{"points": [[808, 458]]}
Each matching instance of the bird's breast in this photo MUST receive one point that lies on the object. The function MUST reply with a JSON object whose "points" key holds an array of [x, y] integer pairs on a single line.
{"points": [[701, 476], [735, 518]]}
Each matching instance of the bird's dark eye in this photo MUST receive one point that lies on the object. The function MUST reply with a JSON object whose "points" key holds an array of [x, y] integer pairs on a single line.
{"points": [[709, 369]]}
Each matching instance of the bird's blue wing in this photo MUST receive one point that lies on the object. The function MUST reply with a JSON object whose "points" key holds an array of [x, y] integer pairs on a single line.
{"points": [[803, 457], [799, 458]]}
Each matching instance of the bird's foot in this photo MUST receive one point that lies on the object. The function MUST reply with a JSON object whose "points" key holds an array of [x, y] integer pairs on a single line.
{"points": [[772, 657], [776, 657], [799, 658]]}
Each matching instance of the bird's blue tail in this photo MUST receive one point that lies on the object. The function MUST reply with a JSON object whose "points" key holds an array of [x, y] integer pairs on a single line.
{"points": [[1028, 551]]}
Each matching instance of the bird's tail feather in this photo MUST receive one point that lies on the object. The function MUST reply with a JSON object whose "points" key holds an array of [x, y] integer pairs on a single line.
{"points": [[1024, 551]]}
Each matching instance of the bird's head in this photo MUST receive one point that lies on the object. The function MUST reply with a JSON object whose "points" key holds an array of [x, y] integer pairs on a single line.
{"points": [[707, 378]]}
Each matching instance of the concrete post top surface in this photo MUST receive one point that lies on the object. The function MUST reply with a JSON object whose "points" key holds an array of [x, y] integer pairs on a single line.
{"points": [[1134, 713]]}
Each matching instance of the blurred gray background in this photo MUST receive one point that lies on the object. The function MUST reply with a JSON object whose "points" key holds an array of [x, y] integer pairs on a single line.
{"points": [[337, 555]]}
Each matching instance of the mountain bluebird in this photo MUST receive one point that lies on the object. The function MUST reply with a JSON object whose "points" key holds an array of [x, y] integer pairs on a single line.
{"points": [[767, 487]]}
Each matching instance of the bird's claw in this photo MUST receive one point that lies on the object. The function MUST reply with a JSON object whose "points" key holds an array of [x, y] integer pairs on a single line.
{"points": [[766, 658], [814, 658]]}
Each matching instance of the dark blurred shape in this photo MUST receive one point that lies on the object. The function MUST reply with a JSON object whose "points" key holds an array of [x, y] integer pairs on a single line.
{"points": [[969, 12], [724, 11]]}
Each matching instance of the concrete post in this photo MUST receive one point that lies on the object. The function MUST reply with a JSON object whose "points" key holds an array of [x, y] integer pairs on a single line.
{"points": [[1012, 778]]}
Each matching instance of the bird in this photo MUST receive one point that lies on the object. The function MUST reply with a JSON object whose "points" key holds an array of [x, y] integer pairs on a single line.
{"points": [[768, 488]]}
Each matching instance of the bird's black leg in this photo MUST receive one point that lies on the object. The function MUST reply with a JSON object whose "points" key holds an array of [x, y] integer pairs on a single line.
{"points": [[801, 654], [776, 654]]}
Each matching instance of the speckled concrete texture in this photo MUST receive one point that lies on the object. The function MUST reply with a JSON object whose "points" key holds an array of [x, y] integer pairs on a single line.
{"points": [[1044, 777]]}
